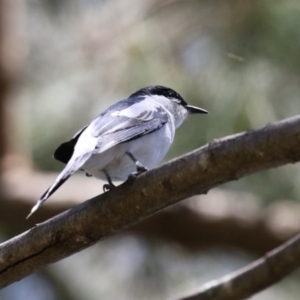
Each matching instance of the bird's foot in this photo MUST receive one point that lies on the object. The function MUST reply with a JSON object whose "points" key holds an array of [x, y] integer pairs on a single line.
{"points": [[88, 175], [140, 168], [107, 187]]}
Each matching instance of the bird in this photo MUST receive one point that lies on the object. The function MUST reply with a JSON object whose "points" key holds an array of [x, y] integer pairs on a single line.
{"points": [[127, 139]]}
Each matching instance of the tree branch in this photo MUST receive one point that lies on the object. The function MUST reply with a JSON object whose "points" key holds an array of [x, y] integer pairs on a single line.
{"points": [[218, 162], [255, 277], [220, 214]]}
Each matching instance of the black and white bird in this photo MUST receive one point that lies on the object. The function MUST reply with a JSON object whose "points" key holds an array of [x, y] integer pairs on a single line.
{"points": [[127, 139]]}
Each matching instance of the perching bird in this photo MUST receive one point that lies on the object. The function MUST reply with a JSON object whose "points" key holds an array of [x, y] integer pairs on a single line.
{"points": [[128, 138]]}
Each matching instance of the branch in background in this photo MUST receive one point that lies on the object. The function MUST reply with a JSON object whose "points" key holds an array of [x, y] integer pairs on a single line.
{"points": [[218, 162], [255, 277], [224, 218]]}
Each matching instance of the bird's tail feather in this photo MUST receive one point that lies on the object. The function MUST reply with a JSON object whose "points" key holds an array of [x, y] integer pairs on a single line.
{"points": [[73, 165]]}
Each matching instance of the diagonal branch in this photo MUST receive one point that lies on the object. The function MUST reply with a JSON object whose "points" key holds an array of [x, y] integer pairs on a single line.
{"points": [[220, 214], [218, 162], [255, 277]]}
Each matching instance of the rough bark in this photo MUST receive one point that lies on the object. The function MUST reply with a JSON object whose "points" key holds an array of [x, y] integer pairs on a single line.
{"points": [[216, 218], [218, 162]]}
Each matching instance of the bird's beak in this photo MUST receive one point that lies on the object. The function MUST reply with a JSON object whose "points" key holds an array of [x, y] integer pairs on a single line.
{"points": [[195, 110]]}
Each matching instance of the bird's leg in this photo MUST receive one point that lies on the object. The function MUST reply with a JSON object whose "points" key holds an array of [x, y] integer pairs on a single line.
{"points": [[139, 167], [110, 185]]}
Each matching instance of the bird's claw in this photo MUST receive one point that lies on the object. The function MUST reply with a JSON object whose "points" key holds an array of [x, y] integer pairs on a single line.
{"points": [[107, 187], [140, 168], [132, 176]]}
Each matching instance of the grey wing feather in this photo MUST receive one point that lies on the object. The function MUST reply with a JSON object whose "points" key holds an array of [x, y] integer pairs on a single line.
{"points": [[112, 130]]}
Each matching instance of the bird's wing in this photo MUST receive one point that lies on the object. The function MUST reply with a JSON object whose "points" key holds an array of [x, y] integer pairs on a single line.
{"points": [[125, 124], [122, 122]]}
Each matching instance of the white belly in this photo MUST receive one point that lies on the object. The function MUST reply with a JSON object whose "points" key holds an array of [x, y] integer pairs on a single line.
{"points": [[149, 150]]}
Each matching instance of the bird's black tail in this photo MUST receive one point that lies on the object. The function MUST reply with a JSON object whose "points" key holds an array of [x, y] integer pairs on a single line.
{"points": [[47, 194], [73, 165]]}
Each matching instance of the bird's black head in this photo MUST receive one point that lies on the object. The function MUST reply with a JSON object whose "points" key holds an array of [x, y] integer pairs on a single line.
{"points": [[159, 90]]}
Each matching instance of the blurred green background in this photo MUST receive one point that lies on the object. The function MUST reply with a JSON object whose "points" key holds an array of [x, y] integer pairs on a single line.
{"points": [[240, 60]]}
